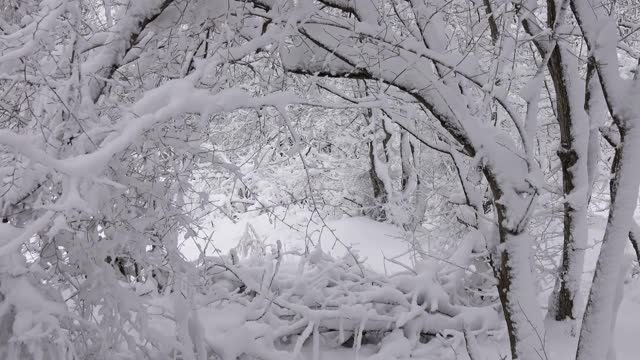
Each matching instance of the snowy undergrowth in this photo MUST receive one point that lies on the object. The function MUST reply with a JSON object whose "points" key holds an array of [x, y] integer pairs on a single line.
{"points": [[269, 300], [264, 302]]}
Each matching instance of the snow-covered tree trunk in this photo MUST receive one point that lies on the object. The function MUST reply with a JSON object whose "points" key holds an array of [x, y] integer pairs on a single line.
{"points": [[513, 272], [595, 335], [599, 29], [573, 152]]}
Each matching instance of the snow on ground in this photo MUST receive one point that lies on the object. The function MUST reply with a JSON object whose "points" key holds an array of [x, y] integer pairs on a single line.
{"points": [[628, 323], [372, 241]]}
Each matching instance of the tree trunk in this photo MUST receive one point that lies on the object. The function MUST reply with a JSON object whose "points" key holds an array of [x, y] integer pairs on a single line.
{"points": [[595, 334], [518, 298], [573, 153], [379, 191], [513, 272]]}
